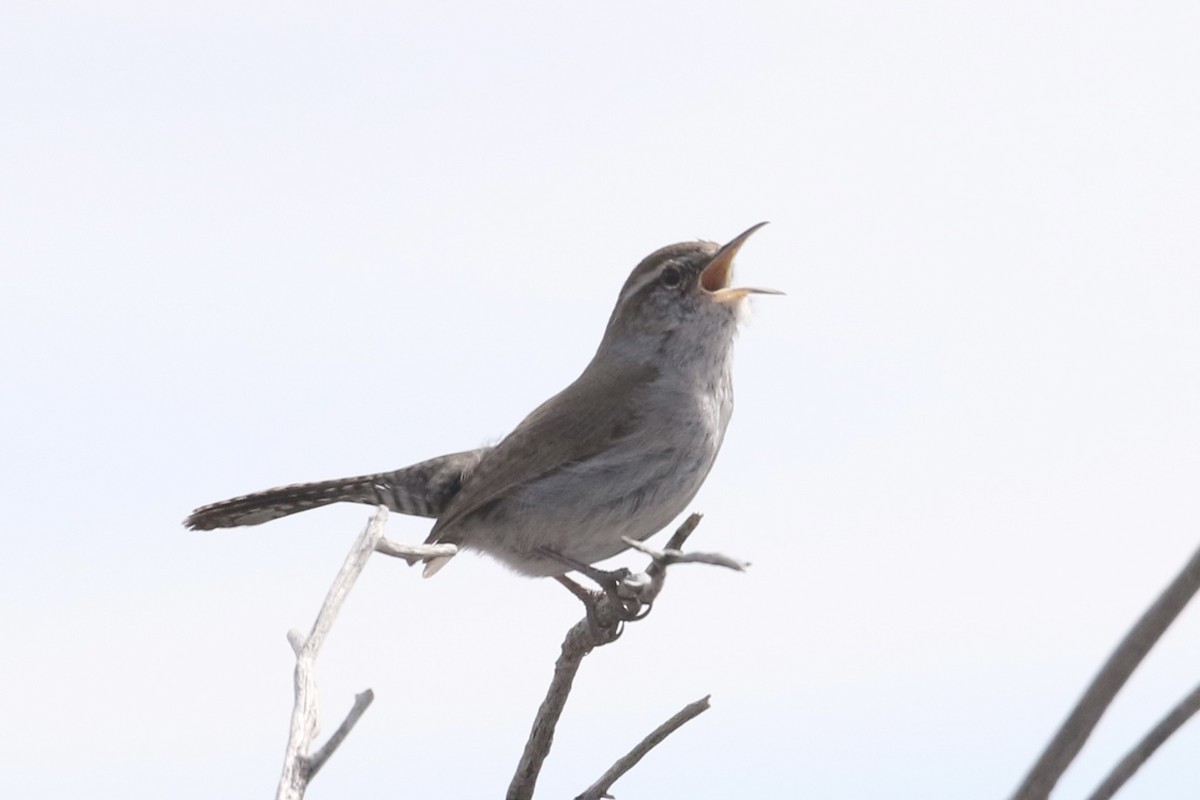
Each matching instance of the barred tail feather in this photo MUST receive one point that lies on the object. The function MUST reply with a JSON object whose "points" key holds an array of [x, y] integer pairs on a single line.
{"points": [[422, 490], [260, 507]]}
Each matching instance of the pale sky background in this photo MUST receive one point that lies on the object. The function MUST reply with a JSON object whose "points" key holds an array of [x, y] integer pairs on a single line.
{"points": [[246, 244]]}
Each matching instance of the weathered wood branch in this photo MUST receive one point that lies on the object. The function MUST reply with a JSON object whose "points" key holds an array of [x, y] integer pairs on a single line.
{"points": [[298, 766], [603, 624], [600, 788]]}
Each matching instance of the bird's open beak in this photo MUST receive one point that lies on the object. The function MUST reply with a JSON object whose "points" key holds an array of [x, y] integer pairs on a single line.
{"points": [[716, 276]]}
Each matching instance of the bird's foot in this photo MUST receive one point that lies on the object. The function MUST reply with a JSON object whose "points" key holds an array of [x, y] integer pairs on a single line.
{"points": [[605, 618], [621, 588]]}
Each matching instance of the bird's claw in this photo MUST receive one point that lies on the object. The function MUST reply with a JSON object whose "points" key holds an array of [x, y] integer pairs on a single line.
{"points": [[622, 587]]}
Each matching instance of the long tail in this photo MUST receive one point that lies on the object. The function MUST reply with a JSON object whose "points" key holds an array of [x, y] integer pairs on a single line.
{"points": [[422, 490]]}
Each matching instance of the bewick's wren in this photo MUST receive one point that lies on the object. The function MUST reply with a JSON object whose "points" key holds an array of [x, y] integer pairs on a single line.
{"points": [[619, 452]]}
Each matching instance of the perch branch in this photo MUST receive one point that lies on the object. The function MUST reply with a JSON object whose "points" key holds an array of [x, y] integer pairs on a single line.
{"points": [[412, 553], [669, 557], [601, 626], [583, 637], [1070, 738]]}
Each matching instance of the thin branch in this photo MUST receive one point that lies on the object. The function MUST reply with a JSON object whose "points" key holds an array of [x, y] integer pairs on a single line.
{"points": [[297, 767], [657, 571], [600, 788], [680, 536], [581, 639], [412, 553], [1139, 755], [601, 626], [1070, 738], [313, 763], [669, 557]]}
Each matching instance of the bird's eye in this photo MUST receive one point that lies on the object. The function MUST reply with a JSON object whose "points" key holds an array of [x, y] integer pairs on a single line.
{"points": [[671, 277]]}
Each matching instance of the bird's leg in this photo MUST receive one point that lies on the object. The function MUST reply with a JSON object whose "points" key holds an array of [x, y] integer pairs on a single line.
{"points": [[608, 580], [606, 627], [615, 584], [587, 597]]}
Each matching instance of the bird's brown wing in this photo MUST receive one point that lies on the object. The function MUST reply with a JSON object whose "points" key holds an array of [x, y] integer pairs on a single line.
{"points": [[568, 428]]}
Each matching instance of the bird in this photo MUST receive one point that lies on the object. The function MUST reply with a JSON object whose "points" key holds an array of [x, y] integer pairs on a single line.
{"points": [[620, 452]]}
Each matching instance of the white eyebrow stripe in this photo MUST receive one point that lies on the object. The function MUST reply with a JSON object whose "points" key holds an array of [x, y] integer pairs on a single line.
{"points": [[649, 277]]}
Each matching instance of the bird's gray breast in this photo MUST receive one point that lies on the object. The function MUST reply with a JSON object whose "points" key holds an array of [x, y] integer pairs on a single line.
{"points": [[633, 488]]}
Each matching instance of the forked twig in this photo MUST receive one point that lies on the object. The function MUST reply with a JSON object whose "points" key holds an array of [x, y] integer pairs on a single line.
{"points": [[298, 766], [669, 556]]}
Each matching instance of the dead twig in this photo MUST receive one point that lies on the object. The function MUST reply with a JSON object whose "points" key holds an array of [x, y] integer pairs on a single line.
{"points": [[600, 788], [601, 626], [412, 553], [298, 766], [668, 557], [313, 763], [583, 637]]}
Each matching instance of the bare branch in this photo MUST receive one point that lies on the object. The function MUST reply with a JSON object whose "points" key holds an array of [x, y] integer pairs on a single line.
{"points": [[1070, 738], [680, 536], [313, 763], [297, 767], [1131, 763], [600, 788], [580, 640], [602, 625], [412, 553], [668, 557]]}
